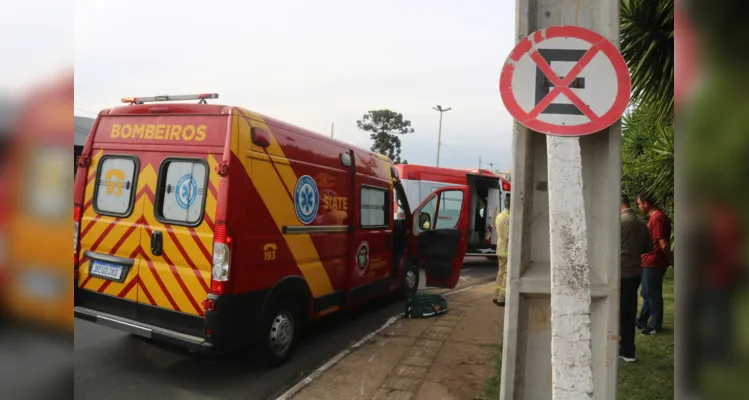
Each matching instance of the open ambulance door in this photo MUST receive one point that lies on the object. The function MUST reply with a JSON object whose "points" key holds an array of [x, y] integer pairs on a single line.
{"points": [[439, 226]]}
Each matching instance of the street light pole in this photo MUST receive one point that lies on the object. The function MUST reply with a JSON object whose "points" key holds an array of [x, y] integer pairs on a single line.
{"points": [[439, 134]]}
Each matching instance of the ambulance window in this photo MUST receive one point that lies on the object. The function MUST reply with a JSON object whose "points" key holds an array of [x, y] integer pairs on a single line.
{"points": [[451, 203], [374, 207], [115, 186], [181, 191]]}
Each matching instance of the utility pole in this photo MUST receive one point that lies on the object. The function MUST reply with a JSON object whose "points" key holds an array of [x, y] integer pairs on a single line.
{"points": [[439, 134], [561, 318], [480, 163], [332, 125], [491, 167]]}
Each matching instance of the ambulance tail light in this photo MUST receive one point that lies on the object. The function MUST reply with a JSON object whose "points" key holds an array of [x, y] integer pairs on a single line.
{"points": [[76, 233], [221, 259]]}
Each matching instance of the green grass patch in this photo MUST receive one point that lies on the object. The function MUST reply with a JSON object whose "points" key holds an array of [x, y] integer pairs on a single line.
{"points": [[491, 386], [651, 377]]}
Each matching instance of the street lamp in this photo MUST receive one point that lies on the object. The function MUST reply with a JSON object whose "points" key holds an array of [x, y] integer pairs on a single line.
{"points": [[439, 135]]}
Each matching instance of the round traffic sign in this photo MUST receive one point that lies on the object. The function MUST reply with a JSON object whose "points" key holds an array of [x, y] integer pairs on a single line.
{"points": [[565, 80]]}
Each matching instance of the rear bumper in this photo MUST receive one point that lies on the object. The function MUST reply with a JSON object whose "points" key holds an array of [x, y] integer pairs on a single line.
{"points": [[143, 330], [228, 326]]}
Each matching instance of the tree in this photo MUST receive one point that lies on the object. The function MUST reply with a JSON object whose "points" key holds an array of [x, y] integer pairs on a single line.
{"points": [[384, 127], [647, 44], [648, 157]]}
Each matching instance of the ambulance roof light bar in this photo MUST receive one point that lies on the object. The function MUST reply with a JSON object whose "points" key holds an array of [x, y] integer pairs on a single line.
{"points": [[140, 100]]}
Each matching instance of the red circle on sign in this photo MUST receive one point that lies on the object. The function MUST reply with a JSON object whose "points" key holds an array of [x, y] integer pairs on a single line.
{"points": [[599, 44]]}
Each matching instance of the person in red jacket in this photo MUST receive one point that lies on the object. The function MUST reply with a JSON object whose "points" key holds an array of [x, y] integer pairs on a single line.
{"points": [[654, 266]]}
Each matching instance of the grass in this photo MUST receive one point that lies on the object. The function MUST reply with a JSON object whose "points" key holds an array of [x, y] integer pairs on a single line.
{"points": [[651, 377], [491, 386]]}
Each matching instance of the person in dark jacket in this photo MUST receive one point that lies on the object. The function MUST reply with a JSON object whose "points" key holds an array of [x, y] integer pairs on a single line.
{"points": [[635, 241]]}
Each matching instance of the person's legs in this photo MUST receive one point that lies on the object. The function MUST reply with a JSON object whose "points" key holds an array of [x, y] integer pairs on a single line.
{"points": [[627, 315], [501, 288], [642, 320], [655, 298]]}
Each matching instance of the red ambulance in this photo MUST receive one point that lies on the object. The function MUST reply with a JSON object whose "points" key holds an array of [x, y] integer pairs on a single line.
{"points": [[488, 191], [214, 227]]}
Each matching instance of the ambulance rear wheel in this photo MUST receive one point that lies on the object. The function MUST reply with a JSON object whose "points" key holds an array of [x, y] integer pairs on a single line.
{"points": [[280, 332]]}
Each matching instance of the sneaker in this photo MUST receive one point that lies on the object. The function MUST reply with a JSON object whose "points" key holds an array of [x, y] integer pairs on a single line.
{"points": [[499, 303], [628, 359], [650, 331]]}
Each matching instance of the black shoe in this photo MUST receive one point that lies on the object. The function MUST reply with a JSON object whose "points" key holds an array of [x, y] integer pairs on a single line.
{"points": [[640, 325], [650, 331], [498, 303]]}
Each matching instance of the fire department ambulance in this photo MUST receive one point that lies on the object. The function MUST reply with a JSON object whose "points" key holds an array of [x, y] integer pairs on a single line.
{"points": [[487, 189], [214, 227]]}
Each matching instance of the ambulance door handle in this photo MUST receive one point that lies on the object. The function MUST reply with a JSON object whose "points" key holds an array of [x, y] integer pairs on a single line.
{"points": [[157, 243]]}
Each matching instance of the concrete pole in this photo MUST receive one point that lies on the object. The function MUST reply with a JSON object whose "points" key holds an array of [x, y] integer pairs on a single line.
{"points": [[571, 355], [561, 318]]}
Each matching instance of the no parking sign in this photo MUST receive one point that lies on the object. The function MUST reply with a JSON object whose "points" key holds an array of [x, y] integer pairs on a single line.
{"points": [[565, 80]]}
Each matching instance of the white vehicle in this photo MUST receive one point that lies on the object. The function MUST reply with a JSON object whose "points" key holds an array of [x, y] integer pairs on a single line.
{"points": [[488, 189]]}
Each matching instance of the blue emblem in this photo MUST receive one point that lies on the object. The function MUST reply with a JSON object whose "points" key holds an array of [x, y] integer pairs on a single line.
{"points": [[186, 192], [306, 199]]}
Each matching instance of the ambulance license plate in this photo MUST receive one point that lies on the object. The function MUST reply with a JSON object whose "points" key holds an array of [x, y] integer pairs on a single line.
{"points": [[105, 270]]}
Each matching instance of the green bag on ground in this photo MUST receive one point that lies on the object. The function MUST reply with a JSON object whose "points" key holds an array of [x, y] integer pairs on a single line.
{"points": [[426, 305]]}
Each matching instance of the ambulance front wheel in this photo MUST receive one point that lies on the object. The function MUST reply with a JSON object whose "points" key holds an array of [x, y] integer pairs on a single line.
{"points": [[280, 332]]}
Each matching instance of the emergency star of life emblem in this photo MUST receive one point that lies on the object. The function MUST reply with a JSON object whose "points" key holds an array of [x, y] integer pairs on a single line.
{"points": [[565, 80], [362, 258], [306, 199], [187, 191]]}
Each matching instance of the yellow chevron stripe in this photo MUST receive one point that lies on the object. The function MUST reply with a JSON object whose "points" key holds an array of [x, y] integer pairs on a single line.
{"points": [[273, 192], [148, 280], [88, 193], [212, 175]]}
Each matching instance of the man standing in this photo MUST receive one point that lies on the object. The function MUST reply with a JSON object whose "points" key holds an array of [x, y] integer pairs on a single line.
{"points": [[654, 263], [502, 225], [635, 241]]}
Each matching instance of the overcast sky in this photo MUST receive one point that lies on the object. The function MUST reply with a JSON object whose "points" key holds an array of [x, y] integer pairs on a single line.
{"points": [[312, 63]]}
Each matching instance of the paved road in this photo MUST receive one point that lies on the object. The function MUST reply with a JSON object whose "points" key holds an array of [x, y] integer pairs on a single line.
{"points": [[110, 364]]}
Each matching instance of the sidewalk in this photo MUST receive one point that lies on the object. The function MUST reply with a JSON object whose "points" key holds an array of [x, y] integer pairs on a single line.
{"points": [[446, 357]]}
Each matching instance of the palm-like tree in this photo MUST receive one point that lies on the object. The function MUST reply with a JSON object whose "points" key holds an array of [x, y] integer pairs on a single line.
{"points": [[647, 44], [647, 40]]}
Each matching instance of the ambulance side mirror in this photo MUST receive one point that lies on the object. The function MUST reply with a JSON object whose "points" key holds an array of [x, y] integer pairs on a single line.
{"points": [[424, 221], [260, 137]]}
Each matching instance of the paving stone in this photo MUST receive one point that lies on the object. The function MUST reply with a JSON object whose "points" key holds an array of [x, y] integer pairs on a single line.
{"points": [[410, 371], [402, 383], [420, 356], [391, 394], [435, 344]]}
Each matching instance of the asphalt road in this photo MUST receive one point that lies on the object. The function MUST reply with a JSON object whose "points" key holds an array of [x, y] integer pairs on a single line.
{"points": [[110, 364]]}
